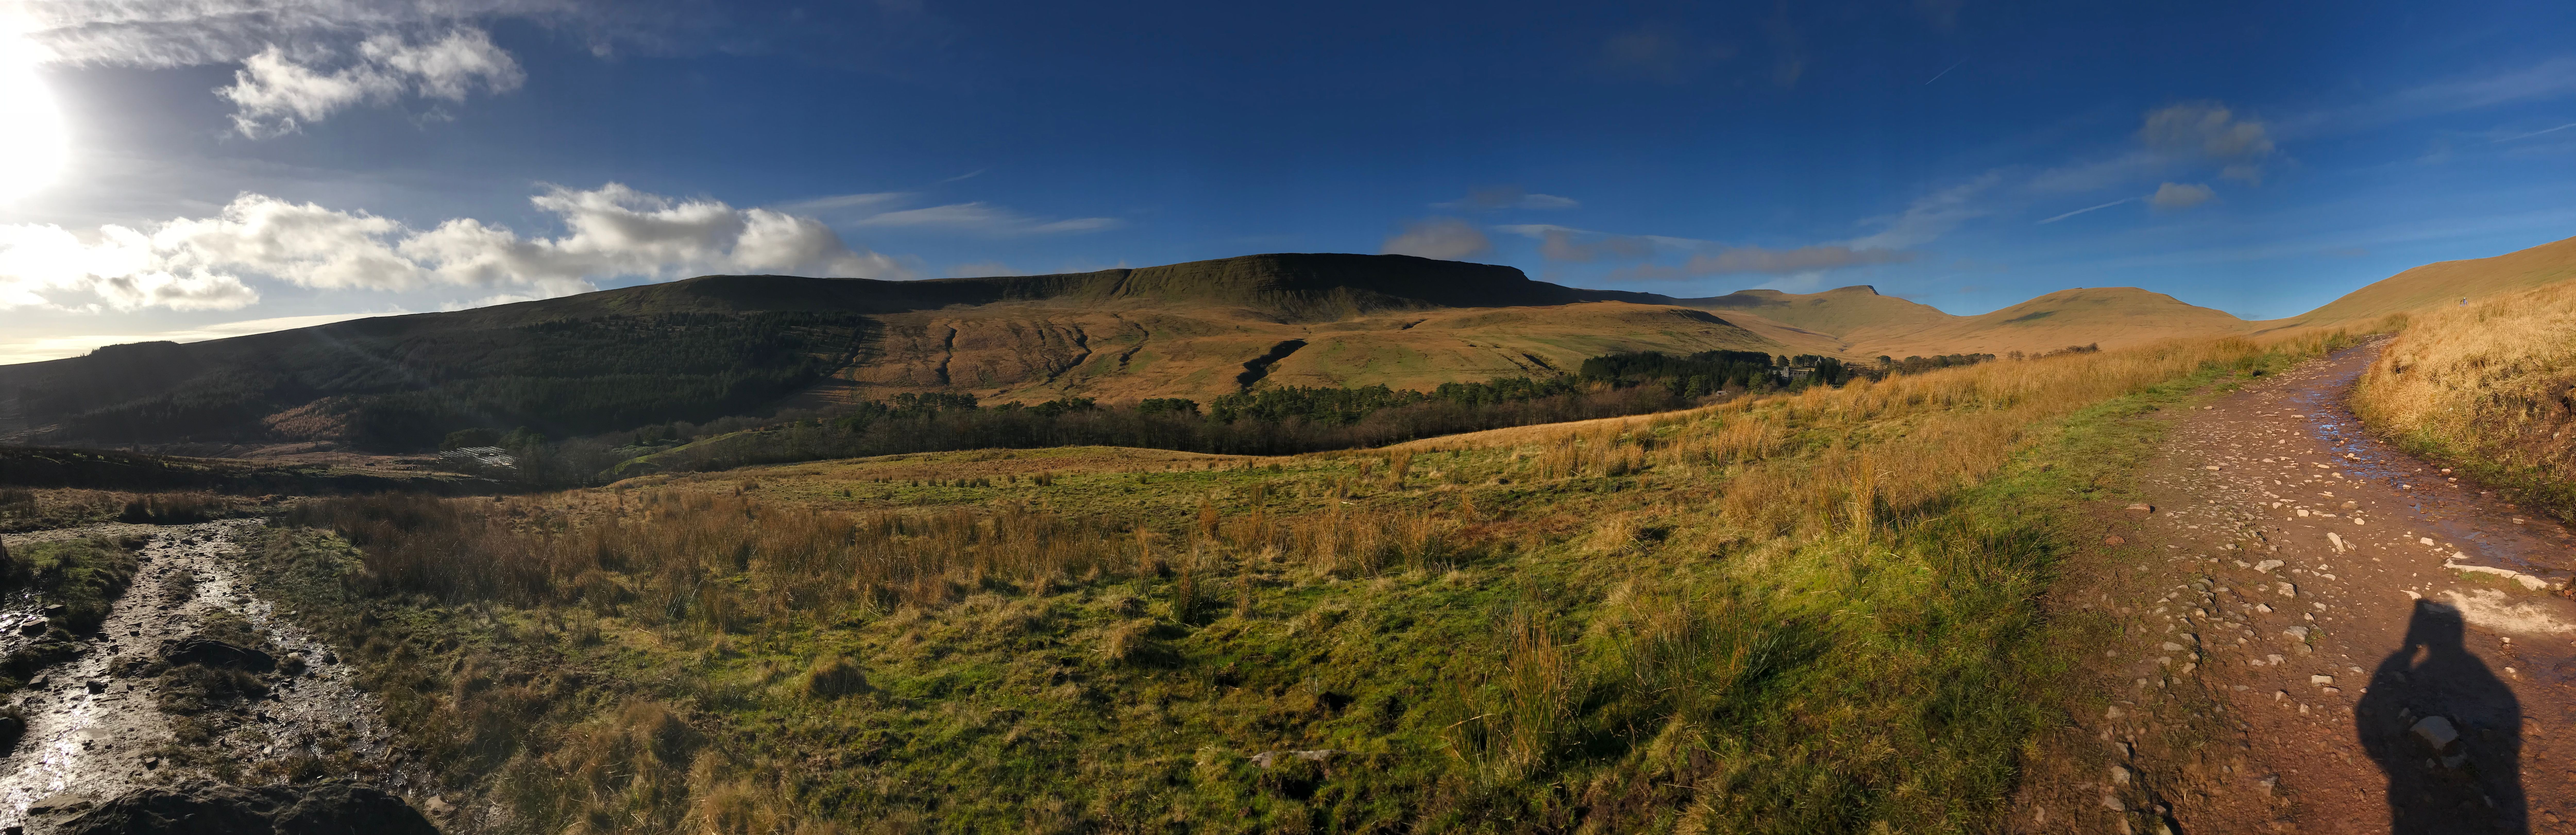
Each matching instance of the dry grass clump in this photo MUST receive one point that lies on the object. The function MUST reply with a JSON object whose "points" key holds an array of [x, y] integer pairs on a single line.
{"points": [[2490, 387], [834, 677]]}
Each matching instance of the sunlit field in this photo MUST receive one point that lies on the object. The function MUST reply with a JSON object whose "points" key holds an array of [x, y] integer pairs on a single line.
{"points": [[1810, 612], [2486, 388]]}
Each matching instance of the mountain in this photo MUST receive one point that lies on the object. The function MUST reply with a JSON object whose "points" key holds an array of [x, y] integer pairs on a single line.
{"points": [[2443, 284], [715, 346], [712, 346]]}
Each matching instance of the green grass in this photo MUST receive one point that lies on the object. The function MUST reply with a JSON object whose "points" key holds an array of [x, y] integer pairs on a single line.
{"points": [[1605, 653]]}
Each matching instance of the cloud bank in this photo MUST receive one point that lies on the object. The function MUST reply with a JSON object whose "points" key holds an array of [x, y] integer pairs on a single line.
{"points": [[609, 232]]}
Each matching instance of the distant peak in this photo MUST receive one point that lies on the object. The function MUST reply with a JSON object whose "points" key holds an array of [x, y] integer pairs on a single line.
{"points": [[1871, 289]]}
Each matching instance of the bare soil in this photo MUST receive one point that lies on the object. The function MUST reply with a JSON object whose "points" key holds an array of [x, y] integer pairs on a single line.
{"points": [[2317, 633]]}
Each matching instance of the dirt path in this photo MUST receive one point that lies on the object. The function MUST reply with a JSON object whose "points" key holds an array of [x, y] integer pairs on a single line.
{"points": [[2322, 634], [97, 727]]}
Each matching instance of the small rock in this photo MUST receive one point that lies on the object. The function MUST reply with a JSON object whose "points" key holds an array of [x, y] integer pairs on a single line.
{"points": [[2321, 680], [2268, 565], [2142, 507], [97, 686], [2119, 775], [2435, 731], [2114, 540]]}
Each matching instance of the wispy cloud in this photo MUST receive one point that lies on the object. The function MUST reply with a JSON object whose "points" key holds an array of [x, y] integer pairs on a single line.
{"points": [[2538, 132], [2548, 79], [1928, 217], [2179, 196], [845, 202], [1506, 197], [1444, 238], [1804, 260], [985, 219]]}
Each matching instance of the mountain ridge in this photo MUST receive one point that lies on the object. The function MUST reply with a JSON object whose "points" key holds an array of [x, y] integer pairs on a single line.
{"points": [[707, 346]]}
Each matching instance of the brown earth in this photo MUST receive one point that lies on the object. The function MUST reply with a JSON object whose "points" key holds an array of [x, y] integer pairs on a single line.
{"points": [[2292, 614]]}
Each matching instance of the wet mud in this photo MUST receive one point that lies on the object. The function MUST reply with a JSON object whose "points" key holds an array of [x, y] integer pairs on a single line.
{"points": [[116, 717]]}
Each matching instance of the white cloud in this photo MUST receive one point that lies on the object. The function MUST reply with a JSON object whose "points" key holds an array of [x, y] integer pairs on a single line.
{"points": [[2177, 196], [612, 231], [1444, 238], [274, 93]]}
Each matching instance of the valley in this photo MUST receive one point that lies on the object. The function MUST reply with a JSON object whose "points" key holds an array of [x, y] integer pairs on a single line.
{"points": [[1855, 596]]}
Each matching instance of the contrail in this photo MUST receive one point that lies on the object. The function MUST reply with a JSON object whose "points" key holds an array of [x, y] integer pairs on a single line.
{"points": [[1937, 76], [2538, 132], [2090, 209]]}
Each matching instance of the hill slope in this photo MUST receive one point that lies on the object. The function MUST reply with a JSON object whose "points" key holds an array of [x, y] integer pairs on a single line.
{"points": [[2443, 284], [719, 345]]}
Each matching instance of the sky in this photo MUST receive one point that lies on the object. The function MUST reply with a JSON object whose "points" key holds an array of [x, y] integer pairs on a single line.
{"points": [[191, 169]]}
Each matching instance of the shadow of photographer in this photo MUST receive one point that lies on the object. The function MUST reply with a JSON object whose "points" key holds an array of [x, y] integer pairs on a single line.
{"points": [[2446, 732]]}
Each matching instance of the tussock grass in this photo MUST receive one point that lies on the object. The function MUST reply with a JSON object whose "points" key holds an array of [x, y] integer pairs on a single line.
{"points": [[1795, 614], [2489, 388]]}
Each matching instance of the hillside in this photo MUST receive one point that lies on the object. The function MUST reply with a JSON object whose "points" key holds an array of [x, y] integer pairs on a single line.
{"points": [[2444, 284], [720, 345], [713, 346]]}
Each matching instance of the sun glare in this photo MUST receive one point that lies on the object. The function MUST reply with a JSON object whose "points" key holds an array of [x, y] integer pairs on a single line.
{"points": [[32, 139]]}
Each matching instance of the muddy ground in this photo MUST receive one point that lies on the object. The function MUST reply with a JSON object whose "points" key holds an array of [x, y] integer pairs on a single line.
{"points": [[2319, 633], [116, 717]]}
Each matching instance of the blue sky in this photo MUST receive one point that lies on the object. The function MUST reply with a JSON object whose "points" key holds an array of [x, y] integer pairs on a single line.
{"points": [[247, 164]]}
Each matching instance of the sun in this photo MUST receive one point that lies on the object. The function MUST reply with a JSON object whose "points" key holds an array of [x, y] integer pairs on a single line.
{"points": [[32, 139]]}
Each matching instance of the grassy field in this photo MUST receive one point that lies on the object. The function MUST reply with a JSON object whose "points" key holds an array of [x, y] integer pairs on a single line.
{"points": [[2487, 388], [1803, 613]]}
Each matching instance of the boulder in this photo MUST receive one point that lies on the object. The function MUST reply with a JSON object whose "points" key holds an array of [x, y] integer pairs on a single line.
{"points": [[208, 808]]}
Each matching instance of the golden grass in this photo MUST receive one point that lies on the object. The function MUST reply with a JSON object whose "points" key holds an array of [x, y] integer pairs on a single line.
{"points": [[2490, 387]]}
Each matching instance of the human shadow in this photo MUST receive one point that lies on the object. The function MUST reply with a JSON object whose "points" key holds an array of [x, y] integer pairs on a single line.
{"points": [[2446, 731]]}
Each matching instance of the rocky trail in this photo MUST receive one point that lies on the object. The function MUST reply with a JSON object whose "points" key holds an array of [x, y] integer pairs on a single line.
{"points": [[2323, 634], [193, 681]]}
